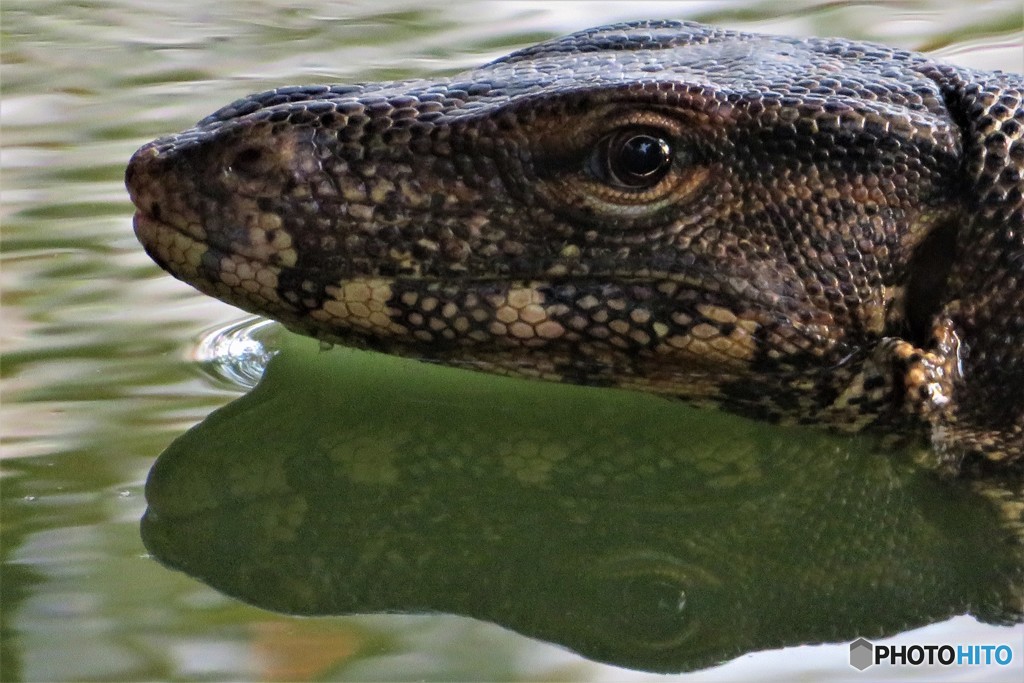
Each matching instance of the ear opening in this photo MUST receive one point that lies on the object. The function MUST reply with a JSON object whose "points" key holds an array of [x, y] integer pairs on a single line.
{"points": [[930, 266]]}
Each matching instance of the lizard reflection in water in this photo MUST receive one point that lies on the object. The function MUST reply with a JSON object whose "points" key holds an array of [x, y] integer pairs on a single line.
{"points": [[576, 516], [798, 230]]}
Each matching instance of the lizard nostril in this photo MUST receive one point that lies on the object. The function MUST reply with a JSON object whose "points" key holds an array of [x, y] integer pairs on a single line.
{"points": [[249, 161]]}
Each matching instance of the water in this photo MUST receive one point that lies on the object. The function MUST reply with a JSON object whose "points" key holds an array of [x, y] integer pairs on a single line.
{"points": [[104, 365]]}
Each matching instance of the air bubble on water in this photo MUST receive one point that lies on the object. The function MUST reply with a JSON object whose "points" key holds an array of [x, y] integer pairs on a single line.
{"points": [[237, 354]]}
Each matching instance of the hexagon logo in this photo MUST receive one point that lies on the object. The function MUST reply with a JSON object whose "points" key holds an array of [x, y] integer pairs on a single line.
{"points": [[861, 654]]}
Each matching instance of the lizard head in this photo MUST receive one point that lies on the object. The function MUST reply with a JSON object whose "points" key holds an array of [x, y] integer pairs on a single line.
{"points": [[660, 205]]}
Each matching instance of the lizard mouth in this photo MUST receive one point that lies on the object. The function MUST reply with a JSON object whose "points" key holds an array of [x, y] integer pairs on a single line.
{"points": [[174, 247], [184, 251], [521, 328], [157, 236]]}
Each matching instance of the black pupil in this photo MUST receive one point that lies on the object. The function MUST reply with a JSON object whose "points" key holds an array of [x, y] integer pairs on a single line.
{"points": [[638, 159]]}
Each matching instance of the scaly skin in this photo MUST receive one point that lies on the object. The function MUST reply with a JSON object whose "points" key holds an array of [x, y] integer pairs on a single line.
{"points": [[825, 231]]}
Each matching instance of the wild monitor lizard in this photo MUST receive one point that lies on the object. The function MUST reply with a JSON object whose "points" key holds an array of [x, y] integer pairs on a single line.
{"points": [[799, 230]]}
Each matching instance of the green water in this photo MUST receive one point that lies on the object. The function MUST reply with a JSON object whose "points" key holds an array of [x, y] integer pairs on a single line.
{"points": [[99, 376]]}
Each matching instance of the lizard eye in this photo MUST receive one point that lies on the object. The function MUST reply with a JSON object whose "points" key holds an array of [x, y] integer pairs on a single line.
{"points": [[635, 158]]}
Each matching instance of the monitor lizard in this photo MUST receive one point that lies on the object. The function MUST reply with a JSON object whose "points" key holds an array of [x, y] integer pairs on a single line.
{"points": [[798, 230]]}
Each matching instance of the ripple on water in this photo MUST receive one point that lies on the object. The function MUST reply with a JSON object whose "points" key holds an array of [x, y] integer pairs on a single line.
{"points": [[237, 354]]}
